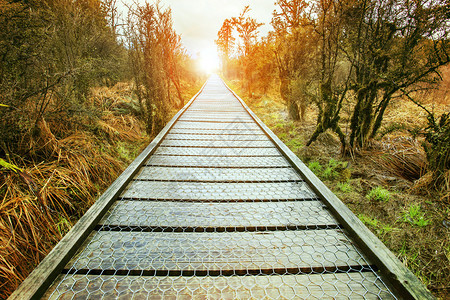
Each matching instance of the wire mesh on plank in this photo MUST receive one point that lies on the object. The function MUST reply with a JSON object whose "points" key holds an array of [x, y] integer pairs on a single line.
{"points": [[211, 174], [223, 125], [218, 152], [217, 213], [236, 191], [221, 132], [213, 215], [218, 162], [206, 137], [365, 285]]}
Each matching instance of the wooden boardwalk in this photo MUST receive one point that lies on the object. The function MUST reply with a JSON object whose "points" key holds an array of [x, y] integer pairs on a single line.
{"points": [[218, 207]]}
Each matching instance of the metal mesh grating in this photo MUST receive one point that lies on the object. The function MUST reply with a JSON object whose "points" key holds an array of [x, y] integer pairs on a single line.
{"points": [[218, 213]]}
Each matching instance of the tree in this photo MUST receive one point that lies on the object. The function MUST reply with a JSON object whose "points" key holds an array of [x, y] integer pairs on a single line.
{"points": [[172, 53], [295, 51], [225, 44], [247, 29], [157, 59], [147, 61], [395, 47], [332, 85], [262, 64], [51, 53], [387, 48]]}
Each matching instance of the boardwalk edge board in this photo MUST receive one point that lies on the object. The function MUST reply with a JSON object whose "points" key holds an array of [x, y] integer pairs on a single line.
{"points": [[398, 275], [35, 285]]}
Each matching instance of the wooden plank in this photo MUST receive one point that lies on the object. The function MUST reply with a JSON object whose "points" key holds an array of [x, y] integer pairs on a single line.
{"points": [[217, 144], [217, 114], [218, 131], [204, 151], [213, 117], [319, 286], [226, 110], [204, 125], [217, 191], [218, 174], [217, 162], [41, 277], [209, 121], [216, 137], [224, 251], [221, 107], [240, 214], [401, 278]]}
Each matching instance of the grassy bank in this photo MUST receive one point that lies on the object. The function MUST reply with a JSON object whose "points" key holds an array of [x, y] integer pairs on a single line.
{"points": [[380, 185]]}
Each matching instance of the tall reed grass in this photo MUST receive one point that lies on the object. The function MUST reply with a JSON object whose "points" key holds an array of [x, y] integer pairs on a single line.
{"points": [[41, 202]]}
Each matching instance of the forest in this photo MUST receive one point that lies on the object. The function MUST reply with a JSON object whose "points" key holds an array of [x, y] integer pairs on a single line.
{"points": [[358, 89]]}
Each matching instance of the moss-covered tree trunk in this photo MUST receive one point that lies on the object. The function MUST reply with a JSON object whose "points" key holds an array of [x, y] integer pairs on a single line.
{"points": [[329, 108]]}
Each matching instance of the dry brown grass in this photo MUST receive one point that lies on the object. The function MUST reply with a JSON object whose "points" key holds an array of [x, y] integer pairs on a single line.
{"points": [[39, 205], [400, 156]]}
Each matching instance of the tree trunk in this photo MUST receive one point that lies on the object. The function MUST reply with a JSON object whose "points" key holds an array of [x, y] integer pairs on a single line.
{"points": [[292, 106]]}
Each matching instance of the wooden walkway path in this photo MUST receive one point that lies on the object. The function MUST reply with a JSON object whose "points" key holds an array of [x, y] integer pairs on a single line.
{"points": [[218, 207]]}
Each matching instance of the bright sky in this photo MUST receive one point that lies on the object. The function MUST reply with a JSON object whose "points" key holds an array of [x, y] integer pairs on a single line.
{"points": [[198, 21]]}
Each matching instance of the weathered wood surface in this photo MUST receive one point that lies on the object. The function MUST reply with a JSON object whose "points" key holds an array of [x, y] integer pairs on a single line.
{"points": [[217, 144], [222, 132], [222, 125], [223, 251], [218, 162], [315, 286], [218, 152], [209, 215], [217, 191], [217, 174], [220, 137], [217, 119]]}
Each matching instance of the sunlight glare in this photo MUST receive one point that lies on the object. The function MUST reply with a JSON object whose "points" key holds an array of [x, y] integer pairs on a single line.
{"points": [[209, 61]]}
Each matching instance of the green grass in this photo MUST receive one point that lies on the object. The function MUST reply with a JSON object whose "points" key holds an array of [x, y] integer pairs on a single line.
{"points": [[368, 220], [315, 167], [294, 144], [379, 194], [378, 226], [9, 166], [63, 226], [344, 187], [330, 171], [415, 216]]}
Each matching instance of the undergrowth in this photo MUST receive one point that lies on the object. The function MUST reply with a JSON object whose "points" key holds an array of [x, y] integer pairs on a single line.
{"points": [[386, 185], [46, 190]]}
